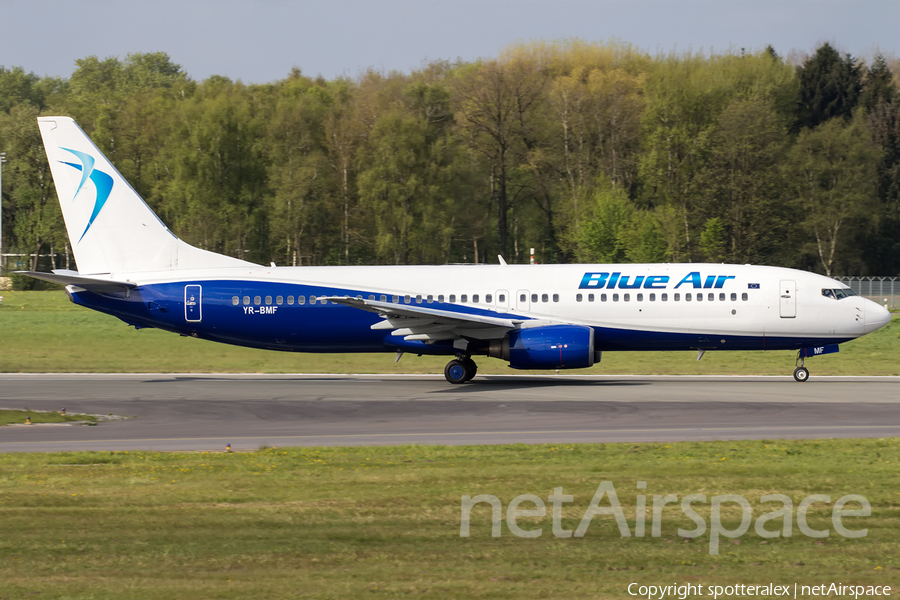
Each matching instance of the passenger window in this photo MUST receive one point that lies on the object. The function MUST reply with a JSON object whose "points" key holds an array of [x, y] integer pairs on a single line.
{"points": [[257, 300], [733, 296], [602, 297], [687, 297], [712, 297], [419, 299], [700, 297], [312, 299], [301, 299], [545, 298], [246, 300], [652, 297], [406, 299], [279, 300], [615, 297], [578, 297], [463, 298], [488, 298], [501, 298], [721, 297], [235, 300], [627, 297], [521, 297], [640, 297], [677, 297], [744, 297], [429, 299], [395, 299], [556, 297], [590, 297], [268, 300], [440, 298], [291, 300], [475, 298], [664, 297], [371, 296], [452, 297], [534, 297], [383, 298]]}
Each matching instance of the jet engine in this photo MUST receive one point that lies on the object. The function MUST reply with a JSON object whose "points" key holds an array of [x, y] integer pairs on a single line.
{"points": [[547, 347]]}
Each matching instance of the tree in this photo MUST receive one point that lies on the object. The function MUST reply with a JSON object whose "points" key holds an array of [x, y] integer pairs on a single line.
{"points": [[879, 87], [19, 87], [31, 211], [493, 100], [740, 188], [218, 176], [829, 87], [832, 170], [883, 245], [305, 214], [602, 236]]}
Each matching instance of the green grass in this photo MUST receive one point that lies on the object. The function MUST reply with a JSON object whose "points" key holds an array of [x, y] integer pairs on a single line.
{"points": [[9, 417], [44, 332], [384, 521]]}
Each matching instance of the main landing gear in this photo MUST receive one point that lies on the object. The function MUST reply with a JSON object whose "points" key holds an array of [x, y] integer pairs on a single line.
{"points": [[801, 373], [460, 370]]}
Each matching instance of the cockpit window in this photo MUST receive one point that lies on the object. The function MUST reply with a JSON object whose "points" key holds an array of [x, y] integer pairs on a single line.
{"points": [[837, 294]]}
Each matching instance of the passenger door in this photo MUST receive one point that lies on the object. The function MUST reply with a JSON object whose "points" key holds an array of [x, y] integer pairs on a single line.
{"points": [[787, 299], [193, 312]]}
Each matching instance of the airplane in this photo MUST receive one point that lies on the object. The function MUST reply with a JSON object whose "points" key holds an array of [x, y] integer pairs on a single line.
{"points": [[131, 266]]}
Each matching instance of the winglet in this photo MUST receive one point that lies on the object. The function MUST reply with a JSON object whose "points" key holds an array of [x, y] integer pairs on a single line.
{"points": [[502, 261]]}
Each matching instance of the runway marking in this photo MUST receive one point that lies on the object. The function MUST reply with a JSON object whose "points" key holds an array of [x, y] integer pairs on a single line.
{"points": [[373, 377], [435, 434]]}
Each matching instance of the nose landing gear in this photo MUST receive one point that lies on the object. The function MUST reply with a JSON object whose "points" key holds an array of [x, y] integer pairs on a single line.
{"points": [[801, 373], [460, 370]]}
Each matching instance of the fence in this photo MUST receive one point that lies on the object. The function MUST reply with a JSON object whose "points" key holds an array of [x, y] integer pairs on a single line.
{"points": [[23, 261], [883, 290]]}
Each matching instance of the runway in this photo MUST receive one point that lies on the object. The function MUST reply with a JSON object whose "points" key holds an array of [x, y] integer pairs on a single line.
{"points": [[172, 412]]}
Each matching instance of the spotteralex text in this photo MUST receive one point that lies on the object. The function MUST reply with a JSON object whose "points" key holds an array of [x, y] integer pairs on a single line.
{"points": [[683, 591]]}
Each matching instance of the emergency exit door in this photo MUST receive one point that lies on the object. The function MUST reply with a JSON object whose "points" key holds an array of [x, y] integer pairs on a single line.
{"points": [[193, 312], [788, 299]]}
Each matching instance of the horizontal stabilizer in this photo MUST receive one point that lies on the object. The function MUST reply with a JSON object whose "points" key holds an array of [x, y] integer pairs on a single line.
{"points": [[73, 278]]}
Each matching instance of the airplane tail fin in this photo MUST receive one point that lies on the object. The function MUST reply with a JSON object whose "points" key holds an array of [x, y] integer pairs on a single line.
{"points": [[110, 227]]}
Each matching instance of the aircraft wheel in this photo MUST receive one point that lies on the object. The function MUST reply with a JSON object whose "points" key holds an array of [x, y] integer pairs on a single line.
{"points": [[471, 368], [456, 372], [801, 373]]}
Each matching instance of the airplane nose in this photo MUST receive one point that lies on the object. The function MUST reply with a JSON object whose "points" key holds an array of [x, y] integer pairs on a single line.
{"points": [[877, 316]]}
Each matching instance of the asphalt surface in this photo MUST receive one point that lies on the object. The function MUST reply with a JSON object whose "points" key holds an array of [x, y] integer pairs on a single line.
{"points": [[170, 412]]}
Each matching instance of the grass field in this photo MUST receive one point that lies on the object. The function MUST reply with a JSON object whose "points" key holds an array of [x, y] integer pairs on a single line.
{"points": [[373, 522], [8, 417], [44, 332]]}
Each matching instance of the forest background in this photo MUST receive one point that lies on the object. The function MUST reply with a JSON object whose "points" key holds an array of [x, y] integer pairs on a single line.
{"points": [[587, 152]]}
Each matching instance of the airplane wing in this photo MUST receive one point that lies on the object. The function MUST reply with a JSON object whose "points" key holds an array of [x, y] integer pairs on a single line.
{"points": [[73, 278], [418, 323]]}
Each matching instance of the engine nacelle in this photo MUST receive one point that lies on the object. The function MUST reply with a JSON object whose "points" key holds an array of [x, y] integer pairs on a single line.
{"points": [[547, 347]]}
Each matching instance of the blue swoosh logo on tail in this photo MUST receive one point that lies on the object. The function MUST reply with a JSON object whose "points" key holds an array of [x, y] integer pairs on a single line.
{"points": [[102, 182]]}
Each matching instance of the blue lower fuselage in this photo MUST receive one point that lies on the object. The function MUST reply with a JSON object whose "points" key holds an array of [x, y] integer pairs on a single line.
{"points": [[257, 315]]}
